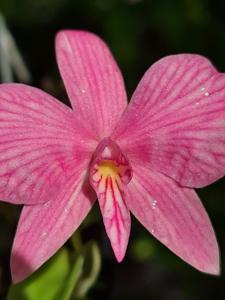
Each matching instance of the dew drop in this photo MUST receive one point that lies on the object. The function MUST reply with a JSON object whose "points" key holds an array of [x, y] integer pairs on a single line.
{"points": [[206, 94], [154, 204], [83, 91], [202, 89]]}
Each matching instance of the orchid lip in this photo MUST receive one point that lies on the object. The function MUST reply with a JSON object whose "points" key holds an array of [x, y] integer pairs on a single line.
{"points": [[108, 162], [110, 173]]}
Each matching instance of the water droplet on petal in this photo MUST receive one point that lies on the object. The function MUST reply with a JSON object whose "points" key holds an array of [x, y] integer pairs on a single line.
{"points": [[202, 89], [154, 204], [83, 91], [206, 94]]}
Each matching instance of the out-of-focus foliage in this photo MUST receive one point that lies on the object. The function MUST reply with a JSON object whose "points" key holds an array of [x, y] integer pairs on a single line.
{"points": [[52, 281], [139, 32], [90, 271], [67, 275]]}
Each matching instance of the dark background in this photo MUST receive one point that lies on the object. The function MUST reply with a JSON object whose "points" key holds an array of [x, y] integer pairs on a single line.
{"points": [[139, 32]]}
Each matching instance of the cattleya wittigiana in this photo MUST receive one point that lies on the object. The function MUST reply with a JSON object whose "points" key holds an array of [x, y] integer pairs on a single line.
{"points": [[144, 158]]}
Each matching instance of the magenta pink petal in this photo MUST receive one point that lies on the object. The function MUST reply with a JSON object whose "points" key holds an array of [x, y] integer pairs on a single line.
{"points": [[41, 145], [43, 229], [176, 217], [175, 123], [92, 79]]}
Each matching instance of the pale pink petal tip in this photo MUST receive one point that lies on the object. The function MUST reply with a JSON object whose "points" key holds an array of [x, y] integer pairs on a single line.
{"points": [[92, 79], [120, 254], [214, 269], [175, 122], [20, 269], [176, 217], [43, 229]]}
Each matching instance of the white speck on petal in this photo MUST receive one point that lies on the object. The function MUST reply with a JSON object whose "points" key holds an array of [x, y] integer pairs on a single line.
{"points": [[154, 204], [206, 94], [202, 89]]}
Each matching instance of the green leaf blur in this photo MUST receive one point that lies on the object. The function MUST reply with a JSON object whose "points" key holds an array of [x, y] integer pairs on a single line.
{"points": [[55, 280]]}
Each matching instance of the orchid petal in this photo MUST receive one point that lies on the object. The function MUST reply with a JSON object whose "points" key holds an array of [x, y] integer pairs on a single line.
{"points": [[92, 78], [110, 172], [116, 216], [41, 144], [175, 123], [176, 217], [43, 229]]}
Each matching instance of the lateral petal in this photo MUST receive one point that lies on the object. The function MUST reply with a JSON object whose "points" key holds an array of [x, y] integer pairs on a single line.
{"points": [[176, 217], [92, 78], [175, 123], [43, 229], [41, 144]]}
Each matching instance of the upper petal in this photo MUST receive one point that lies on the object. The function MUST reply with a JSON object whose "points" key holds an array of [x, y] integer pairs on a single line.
{"points": [[43, 229], [175, 122], [92, 78], [41, 145], [175, 216]]}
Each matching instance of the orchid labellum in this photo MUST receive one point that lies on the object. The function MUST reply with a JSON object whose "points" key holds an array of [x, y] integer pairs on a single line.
{"points": [[144, 158]]}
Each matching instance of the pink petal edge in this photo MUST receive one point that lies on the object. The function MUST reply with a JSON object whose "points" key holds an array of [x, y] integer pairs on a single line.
{"points": [[175, 123], [92, 79], [176, 217], [43, 229], [41, 143]]}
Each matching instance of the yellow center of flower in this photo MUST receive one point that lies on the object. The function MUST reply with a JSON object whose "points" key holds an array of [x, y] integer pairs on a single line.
{"points": [[108, 168]]}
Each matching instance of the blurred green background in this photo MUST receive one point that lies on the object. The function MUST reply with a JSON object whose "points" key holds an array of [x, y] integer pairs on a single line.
{"points": [[139, 32]]}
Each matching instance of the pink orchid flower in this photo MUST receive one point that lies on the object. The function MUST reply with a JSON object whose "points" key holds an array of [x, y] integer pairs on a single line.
{"points": [[144, 158]]}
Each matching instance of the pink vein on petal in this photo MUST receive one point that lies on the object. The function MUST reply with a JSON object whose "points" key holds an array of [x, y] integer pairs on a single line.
{"points": [[43, 229], [175, 122], [92, 79], [176, 217], [41, 143]]}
